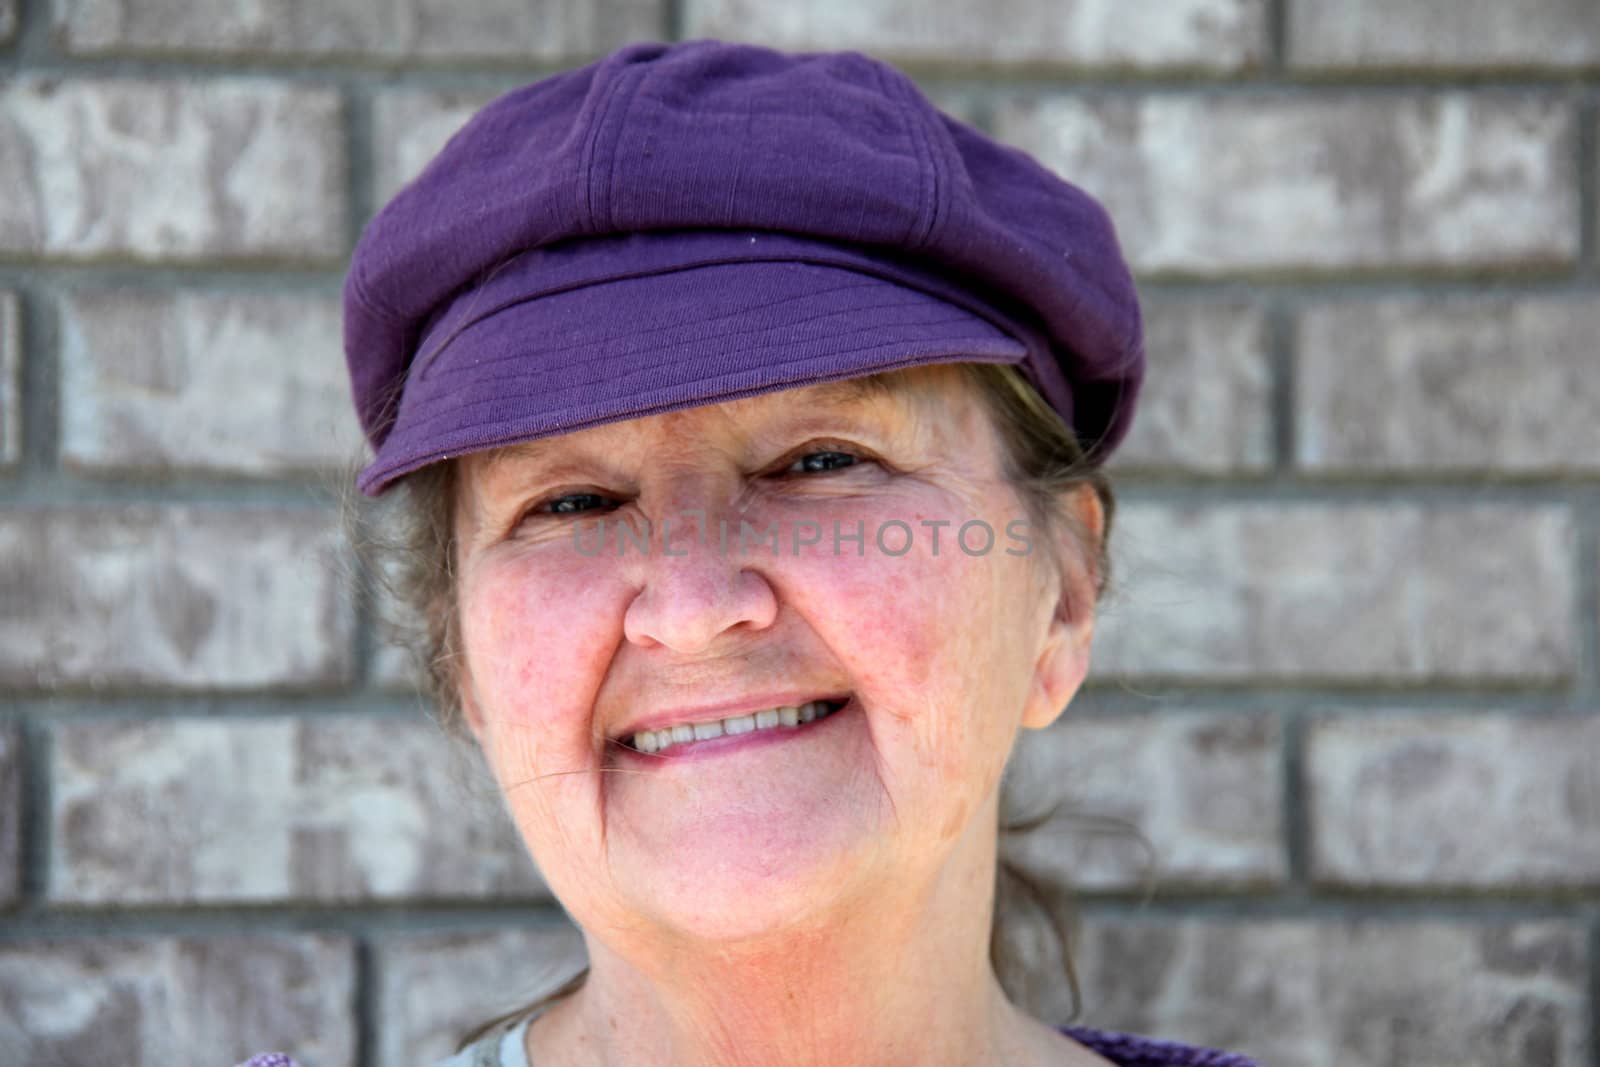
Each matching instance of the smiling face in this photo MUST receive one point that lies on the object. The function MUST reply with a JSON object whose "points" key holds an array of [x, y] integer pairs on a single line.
{"points": [[569, 650]]}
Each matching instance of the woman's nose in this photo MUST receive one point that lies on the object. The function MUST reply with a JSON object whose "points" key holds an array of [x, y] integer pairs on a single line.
{"points": [[694, 589]]}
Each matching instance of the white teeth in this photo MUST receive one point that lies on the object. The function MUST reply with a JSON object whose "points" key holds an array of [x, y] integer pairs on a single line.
{"points": [[767, 719]]}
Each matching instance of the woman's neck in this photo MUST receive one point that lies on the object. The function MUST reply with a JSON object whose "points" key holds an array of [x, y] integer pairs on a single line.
{"points": [[901, 979]]}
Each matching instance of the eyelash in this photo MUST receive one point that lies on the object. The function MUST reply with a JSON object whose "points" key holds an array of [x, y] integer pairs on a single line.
{"points": [[857, 457]]}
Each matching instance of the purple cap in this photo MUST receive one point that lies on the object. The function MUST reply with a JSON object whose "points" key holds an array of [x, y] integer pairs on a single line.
{"points": [[681, 224]]}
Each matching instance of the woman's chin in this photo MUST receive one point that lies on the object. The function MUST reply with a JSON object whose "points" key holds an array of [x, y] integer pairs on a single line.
{"points": [[740, 884], [732, 837]]}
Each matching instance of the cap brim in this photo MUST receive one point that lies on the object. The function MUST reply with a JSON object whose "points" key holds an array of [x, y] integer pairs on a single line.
{"points": [[549, 363]]}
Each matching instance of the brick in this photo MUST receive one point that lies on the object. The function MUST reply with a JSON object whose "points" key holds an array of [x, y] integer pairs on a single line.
{"points": [[409, 128], [1204, 790], [410, 29], [1443, 35], [1474, 801], [433, 988], [1207, 34], [175, 598], [1206, 403], [393, 668], [1486, 383], [215, 1000], [11, 769], [1380, 993], [167, 171], [1203, 185], [331, 808], [1341, 592], [213, 382], [10, 380]]}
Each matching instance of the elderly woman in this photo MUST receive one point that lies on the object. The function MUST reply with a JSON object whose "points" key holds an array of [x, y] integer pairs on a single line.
{"points": [[749, 411]]}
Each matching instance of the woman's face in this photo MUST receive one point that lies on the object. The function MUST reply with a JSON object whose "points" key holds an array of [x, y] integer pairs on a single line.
{"points": [[569, 648]]}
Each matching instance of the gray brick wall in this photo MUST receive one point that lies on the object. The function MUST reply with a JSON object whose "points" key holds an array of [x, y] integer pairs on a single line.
{"points": [[1347, 686]]}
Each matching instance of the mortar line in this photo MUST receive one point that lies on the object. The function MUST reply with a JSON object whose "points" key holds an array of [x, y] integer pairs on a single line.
{"points": [[58, 488], [1100, 700], [366, 919], [1296, 803], [34, 51], [1586, 178], [1284, 371], [373, 918], [1586, 602], [31, 41], [366, 1003], [360, 171], [1444, 489], [1593, 1005], [40, 389], [34, 819], [1295, 284], [360, 196], [1277, 30]]}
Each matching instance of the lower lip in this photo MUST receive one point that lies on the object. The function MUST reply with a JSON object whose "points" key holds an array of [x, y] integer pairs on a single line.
{"points": [[716, 746]]}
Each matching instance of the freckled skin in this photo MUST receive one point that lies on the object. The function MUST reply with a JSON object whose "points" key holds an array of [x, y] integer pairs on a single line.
{"points": [[737, 880]]}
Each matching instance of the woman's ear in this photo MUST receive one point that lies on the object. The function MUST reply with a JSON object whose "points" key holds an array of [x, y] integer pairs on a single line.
{"points": [[1063, 662]]}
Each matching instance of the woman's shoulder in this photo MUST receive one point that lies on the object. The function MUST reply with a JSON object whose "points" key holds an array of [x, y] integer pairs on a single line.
{"points": [[1131, 1050]]}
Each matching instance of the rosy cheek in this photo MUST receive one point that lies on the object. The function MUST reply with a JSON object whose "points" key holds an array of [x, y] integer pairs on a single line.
{"points": [[887, 617], [539, 635]]}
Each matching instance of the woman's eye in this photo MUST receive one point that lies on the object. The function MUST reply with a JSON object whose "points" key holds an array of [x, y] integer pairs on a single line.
{"points": [[821, 461], [571, 504]]}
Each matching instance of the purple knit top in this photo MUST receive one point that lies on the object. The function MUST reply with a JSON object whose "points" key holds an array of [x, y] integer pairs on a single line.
{"points": [[1125, 1050], [1128, 1050]]}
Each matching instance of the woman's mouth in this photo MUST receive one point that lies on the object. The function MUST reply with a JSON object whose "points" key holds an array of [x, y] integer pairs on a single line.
{"points": [[769, 724]]}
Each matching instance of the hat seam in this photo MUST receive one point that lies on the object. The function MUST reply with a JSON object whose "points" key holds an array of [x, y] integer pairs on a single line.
{"points": [[586, 166], [921, 228], [635, 86]]}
